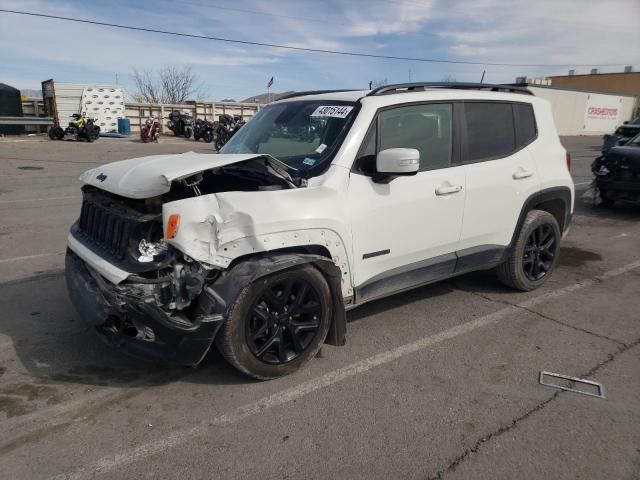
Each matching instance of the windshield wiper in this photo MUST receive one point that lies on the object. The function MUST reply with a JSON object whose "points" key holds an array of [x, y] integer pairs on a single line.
{"points": [[281, 169]]}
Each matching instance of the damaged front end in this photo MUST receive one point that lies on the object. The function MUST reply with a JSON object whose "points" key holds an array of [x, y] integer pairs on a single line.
{"points": [[617, 174], [138, 316], [159, 310], [144, 288]]}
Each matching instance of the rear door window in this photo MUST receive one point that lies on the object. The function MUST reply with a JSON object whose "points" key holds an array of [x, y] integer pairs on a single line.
{"points": [[490, 130]]}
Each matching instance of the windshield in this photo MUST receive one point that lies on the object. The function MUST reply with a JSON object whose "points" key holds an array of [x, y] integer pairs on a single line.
{"points": [[635, 141], [303, 134], [635, 121]]}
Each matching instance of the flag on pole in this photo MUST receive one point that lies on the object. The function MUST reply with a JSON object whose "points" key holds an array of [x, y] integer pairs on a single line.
{"points": [[270, 83]]}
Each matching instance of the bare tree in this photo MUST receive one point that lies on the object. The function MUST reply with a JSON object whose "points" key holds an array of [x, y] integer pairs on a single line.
{"points": [[172, 84]]}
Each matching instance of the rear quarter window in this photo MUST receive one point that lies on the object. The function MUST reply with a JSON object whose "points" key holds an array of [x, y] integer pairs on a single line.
{"points": [[526, 129]]}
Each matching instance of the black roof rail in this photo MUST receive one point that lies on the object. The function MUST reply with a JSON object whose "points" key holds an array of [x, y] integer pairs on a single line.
{"points": [[312, 92], [416, 86]]}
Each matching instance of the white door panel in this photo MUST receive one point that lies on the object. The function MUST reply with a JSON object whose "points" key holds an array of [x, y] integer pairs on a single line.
{"points": [[415, 218], [496, 192]]}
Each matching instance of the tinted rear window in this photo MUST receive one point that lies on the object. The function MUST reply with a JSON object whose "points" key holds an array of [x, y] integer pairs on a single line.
{"points": [[490, 130], [526, 130]]}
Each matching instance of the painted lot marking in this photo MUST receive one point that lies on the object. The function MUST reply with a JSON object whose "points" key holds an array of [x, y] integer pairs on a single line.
{"points": [[622, 235], [29, 257], [178, 437]]}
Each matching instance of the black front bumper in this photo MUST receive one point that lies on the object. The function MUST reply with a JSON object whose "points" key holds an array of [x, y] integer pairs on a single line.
{"points": [[616, 189], [129, 320]]}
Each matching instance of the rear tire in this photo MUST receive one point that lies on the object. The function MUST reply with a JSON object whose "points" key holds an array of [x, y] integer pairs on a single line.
{"points": [[56, 133], [277, 323], [535, 253]]}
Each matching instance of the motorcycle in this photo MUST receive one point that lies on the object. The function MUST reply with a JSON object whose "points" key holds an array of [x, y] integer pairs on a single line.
{"points": [[79, 128], [203, 130], [180, 124], [151, 130], [226, 127]]}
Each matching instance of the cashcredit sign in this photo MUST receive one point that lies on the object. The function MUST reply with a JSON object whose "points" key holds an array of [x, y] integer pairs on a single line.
{"points": [[602, 113]]}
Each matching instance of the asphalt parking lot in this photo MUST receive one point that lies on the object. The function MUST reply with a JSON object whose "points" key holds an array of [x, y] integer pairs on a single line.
{"points": [[439, 382]]}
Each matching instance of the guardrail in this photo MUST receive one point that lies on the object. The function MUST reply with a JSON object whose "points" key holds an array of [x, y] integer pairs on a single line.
{"points": [[26, 121]]}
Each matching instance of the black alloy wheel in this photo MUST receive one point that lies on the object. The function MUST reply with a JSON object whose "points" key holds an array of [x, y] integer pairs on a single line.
{"points": [[539, 252], [284, 320], [534, 255]]}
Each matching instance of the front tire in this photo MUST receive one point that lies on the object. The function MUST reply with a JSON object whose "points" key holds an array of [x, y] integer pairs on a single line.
{"points": [[187, 132], [535, 253], [277, 323]]}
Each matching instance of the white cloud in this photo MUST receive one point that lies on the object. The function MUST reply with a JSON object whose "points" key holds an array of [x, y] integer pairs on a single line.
{"points": [[110, 49], [543, 32], [388, 17]]}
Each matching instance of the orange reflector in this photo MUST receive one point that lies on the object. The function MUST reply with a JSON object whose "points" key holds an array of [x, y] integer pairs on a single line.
{"points": [[172, 226]]}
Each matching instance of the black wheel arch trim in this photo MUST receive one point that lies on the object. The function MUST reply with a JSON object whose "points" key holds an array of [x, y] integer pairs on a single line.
{"points": [[225, 290], [553, 193]]}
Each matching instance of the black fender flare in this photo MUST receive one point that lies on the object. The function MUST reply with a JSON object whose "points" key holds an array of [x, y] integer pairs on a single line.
{"points": [[218, 297], [553, 193]]}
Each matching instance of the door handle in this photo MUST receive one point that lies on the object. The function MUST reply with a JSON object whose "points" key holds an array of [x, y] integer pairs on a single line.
{"points": [[448, 190], [522, 173]]}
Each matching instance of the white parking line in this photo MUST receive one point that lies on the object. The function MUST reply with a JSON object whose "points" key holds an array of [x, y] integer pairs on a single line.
{"points": [[581, 183], [29, 257], [622, 235], [39, 199], [178, 437]]}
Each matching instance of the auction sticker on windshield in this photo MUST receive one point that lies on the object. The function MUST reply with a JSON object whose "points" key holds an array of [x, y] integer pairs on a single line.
{"points": [[337, 111]]}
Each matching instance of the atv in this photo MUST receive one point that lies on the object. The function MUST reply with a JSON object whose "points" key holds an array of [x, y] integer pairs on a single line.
{"points": [[80, 128]]}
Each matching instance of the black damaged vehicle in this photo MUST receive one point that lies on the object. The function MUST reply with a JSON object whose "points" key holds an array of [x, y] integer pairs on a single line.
{"points": [[617, 173]]}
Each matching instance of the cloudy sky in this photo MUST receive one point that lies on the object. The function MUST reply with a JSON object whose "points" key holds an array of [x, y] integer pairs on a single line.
{"points": [[573, 32]]}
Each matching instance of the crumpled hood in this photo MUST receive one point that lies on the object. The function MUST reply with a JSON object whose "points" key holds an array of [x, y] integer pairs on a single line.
{"points": [[147, 177]]}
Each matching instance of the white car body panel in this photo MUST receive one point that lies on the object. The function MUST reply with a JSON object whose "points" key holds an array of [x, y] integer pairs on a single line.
{"points": [[488, 218], [548, 153], [405, 217]]}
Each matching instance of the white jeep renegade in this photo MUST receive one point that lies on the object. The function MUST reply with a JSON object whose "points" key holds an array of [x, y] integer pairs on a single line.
{"points": [[323, 201]]}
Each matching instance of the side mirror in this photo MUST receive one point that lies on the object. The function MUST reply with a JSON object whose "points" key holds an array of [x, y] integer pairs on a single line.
{"points": [[625, 123], [395, 162]]}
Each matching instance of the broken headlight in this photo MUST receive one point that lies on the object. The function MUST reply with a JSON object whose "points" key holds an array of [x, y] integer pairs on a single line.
{"points": [[146, 243], [151, 251]]}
